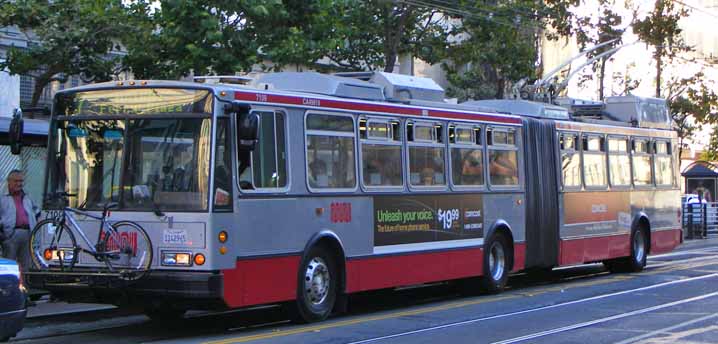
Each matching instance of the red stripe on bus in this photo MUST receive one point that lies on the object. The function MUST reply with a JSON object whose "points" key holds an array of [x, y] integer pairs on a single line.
{"points": [[584, 250], [355, 106], [258, 281], [665, 241], [519, 256], [393, 271]]}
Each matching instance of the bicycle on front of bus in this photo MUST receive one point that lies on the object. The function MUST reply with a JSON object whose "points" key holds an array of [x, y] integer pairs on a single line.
{"points": [[123, 246]]}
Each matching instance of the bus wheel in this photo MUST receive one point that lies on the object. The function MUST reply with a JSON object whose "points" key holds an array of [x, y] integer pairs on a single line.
{"points": [[639, 251], [496, 263], [317, 287]]}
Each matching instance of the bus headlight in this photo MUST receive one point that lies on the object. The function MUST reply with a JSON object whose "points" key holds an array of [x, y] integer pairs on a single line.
{"points": [[176, 258]]}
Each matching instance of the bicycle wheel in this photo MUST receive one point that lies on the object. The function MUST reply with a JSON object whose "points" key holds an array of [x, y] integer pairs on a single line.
{"points": [[128, 250], [53, 246]]}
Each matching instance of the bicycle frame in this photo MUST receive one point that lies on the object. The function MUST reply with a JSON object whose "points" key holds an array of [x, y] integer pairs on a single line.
{"points": [[67, 214]]}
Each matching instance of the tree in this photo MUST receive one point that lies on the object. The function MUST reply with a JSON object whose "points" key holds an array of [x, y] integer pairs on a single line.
{"points": [[496, 44], [74, 37], [660, 29], [593, 31], [195, 36], [373, 33]]}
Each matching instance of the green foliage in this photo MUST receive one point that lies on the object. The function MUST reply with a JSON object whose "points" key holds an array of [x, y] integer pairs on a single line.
{"points": [[661, 30], [691, 102], [371, 34], [598, 29], [496, 44], [199, 36], [74, 37]]}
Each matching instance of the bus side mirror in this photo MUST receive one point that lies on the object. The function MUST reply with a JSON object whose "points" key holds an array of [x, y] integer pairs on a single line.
{"points": [[15, 132], [248, 129]]}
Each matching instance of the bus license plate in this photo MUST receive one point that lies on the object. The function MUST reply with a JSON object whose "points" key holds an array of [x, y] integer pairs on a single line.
{"points": [[174, 236]]}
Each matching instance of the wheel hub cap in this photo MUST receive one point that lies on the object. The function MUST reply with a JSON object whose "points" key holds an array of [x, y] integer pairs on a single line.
{"points": [[497, 261], [316, 281], [639, 246]]}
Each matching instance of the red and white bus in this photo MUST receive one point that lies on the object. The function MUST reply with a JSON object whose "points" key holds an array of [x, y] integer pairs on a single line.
{"points": [[302, 188]]}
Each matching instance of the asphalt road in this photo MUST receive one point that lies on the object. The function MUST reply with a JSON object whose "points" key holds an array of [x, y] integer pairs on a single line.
{"points": [[675, 300]]}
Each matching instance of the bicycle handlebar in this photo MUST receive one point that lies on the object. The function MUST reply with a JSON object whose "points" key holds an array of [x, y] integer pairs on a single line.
{"points": [[59, 195]]}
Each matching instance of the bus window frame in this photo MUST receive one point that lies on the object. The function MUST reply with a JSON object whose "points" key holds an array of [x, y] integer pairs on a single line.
{"points": [[584, 151], [232, 142], [649, 154], [482, 147], [425, 143], [655, 154], [504, 147], [255, 190], [630, 161], [575, 150], [354, 135], [389, 141]]}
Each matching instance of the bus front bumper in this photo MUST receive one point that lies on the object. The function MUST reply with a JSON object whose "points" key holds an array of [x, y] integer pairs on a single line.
{"points": [[202, 287]]}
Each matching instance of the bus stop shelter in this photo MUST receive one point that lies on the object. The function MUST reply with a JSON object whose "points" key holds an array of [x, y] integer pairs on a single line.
{"points": [[700, 209], [700, 180]]}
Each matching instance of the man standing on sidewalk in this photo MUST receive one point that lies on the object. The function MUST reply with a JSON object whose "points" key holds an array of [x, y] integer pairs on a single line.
{"points": [[18, 214]]}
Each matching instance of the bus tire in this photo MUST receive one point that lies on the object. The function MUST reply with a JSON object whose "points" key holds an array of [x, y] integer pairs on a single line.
{"points": [[316, 287], [639, 252], [496, 264]]}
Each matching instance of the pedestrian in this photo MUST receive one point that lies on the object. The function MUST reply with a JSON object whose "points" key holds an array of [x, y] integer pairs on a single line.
{"points": [[18, 214]]}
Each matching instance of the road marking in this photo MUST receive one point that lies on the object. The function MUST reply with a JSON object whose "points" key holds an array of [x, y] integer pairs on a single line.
{"points": [[667, 329], [603, 320], [506, 315], [281, 333], [483, 299], [706, 250]]}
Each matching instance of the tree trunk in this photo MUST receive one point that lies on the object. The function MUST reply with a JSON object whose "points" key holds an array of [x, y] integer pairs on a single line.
{"points": [[40, 84], [500, 85], [601, 77], [659, 70]]}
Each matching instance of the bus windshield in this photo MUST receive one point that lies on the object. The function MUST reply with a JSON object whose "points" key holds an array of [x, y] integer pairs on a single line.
{"points": [[146, 162]]}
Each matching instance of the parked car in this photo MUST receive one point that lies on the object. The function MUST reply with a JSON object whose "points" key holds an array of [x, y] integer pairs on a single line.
{"points": [[12, 300]]}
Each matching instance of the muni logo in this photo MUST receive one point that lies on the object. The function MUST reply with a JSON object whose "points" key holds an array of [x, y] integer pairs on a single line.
{"points": [[121, 242]]}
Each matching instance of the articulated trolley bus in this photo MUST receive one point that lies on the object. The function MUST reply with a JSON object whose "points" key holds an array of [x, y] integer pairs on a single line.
{"points": [[301, 188]]}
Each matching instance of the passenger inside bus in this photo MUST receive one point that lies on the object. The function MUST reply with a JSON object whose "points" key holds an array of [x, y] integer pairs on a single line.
{"points": [[471, 169], [427, 176], [502, 168], [318, 174]]}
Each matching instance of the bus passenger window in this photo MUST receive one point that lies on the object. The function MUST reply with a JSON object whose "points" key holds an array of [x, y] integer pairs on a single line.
{"points": [[503, 158], [663, 166], [618, 162], [467, 156], [381, 153], [570, 161], [265, 167], [641, 163], [594, 161], [330, 152], [426, 155]]}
